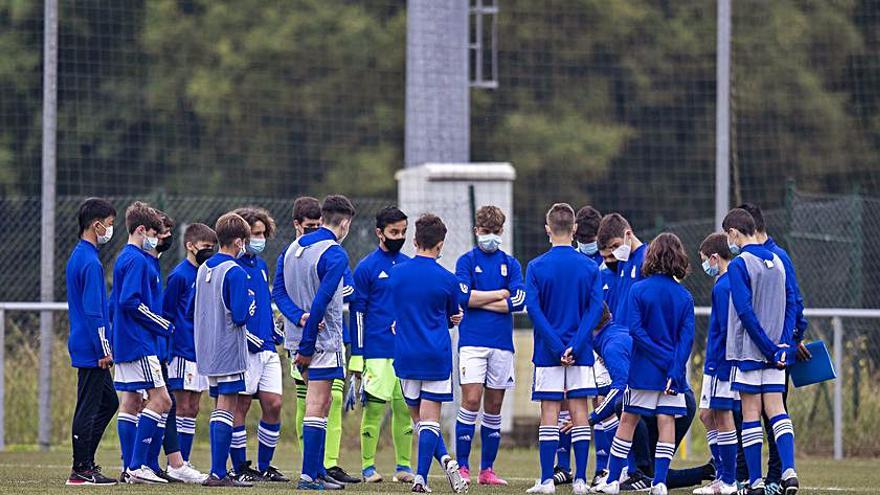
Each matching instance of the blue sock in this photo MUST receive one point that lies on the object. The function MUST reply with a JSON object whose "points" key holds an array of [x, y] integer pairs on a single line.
{"points": [[186, 431], [727, 449], [752, 443], [662, 458], [126, 426], [221, 441], [601, 447], [490, 436], [631, 466], [440, 450], [146, 428], [580, 444], [268, 435], [156, 445], [465, 427], [429, 437], [548, 442], [783, 432], [322, 469], [238, 448], [712, 442], [563, 453], [610, 432], [620, 450], [313, 428]]}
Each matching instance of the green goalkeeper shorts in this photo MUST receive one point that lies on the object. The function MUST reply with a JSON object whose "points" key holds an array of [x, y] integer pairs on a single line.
{"points": [[379, 378]]}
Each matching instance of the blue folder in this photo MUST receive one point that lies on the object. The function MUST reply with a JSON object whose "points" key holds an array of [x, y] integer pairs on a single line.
{"points": [[816, 370]]}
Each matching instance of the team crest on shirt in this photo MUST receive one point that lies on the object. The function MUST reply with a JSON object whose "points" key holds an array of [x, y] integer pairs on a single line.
{"points": [[382, 274], [478, 269], [504, 269]]}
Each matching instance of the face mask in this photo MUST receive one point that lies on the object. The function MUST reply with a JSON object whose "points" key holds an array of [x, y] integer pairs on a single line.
{"points": [[256, 246], [165, 246], [589, 248], [489, 242], [108, 234], [621, 253], [710, 270], [150, 243], [309, 230], [242, 250], [202, 255], [611, 266], [394, 245]]}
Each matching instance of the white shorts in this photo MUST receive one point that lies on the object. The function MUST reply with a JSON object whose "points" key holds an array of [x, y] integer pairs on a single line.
{"points": [[416, 390], [226, 384], [184, 375], [563, 382], [603, 378], [761, 381], [325, 365], [485, 365], [717, 394], [653, 402], [263, 373], [141, 374]]}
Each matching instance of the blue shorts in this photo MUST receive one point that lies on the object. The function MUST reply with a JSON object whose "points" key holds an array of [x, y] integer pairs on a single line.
{"points": [[226, 384]]}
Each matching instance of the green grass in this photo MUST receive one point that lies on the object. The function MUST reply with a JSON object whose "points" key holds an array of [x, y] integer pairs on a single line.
{"points": [[29, 472]]}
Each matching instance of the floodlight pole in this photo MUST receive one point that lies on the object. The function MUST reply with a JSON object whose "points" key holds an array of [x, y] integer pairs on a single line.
{"points": [[722, 114]]}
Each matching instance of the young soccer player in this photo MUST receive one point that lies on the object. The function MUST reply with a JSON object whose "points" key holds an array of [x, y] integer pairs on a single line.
{"points": [[758, 322], [620, 247], [372, 314], [89, 344], [263, 375], [717, 400], [223, 308], [313, 269], [492, 289], [564, 297], [425, 297], [137, 329], [661, 323], [588, 220], [184, 380]]}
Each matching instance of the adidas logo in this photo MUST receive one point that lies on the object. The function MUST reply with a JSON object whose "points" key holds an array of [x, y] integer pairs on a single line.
{"points": [[148, 441], [382, 274], [601, 452], [478, 269], [495, 434], [466, 438], [605, 287]]}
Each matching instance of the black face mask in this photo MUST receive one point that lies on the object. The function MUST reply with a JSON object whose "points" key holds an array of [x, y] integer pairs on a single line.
{"points": [[202, 255], [394, 245], [309, 230], [611, 266], [165, 245]]}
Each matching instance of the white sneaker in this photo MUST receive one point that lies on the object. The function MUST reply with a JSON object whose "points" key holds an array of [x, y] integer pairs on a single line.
{"points": [[419, 485], [546, 487], [144, 475], [186, 474], [659, 489], [612, 488], [458, 484], [710, 489], [725, 489], [579, 487]]}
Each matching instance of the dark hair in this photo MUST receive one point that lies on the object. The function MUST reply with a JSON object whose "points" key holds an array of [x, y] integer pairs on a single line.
{"points": [[755, 211], [335, 209], [740, 220], [254, 214], [612, 226], [430, 231], [138, 214], [716, 243], [93, 209], [666, 255], [306, 207], [588, 220], [490, 218], [199, 232], [388, 215], [167, 221], [560, 218], [230, 227]]}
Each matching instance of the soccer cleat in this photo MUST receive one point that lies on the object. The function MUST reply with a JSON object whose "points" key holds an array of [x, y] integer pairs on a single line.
{"points": [[612, 488], [244, 472], [186, 474], [124, 477], [404, 474], [659, 489], [339, 475], [419, 485], [144, 475], [636, 482], [162, 474], [579, 487], [790, 485], [454, 478], [274, 475], [600, 478], [772, 488], [561, 476], [89, 477], [465, 473], [309, 485], [546, 487], [488, 477], [228, 481], [758, 489], [708, 489], [371, 475], [330, 483]]}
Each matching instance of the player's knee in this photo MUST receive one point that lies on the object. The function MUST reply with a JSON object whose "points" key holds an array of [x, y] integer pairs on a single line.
{"points": [[707, 418], [470, 403], [271, 405], [161, 402]]}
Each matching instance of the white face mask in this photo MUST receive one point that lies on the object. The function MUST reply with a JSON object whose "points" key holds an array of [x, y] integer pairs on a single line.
{"points": [[108, 234], [622, 252], [150, 243], [242, 250]]}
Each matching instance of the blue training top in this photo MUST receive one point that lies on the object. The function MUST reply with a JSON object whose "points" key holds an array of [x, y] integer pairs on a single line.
{"points": [[179, 290], [372, 307], [628, 273], [717, 364], [163, 343], [261, 326], [89, 314]]}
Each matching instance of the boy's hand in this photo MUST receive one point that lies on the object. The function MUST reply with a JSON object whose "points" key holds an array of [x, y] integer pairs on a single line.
{"points": [[566, 427], [456, 319], [567, 357], [304, 319], [302, 361], [780, 356], [670, 388], [504, 294], [105, 362], [803, 354]]}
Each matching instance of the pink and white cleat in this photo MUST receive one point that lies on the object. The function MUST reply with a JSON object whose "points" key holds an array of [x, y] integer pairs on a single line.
{"points": [[465, 474], [488, 477]]}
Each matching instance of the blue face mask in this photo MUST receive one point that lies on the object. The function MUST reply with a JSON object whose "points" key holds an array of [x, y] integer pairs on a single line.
{"points": [[710, 270], [489, 242], [256, 246], [589, 248], [734, 249], [150, 243]]}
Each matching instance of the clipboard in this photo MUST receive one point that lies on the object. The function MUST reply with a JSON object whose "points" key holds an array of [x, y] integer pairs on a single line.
{"points": [[816, 370]]}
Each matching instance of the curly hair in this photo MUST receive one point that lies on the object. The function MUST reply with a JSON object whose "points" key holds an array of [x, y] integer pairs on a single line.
{"points": [[254, 214], [666, 255], [490, 218]]}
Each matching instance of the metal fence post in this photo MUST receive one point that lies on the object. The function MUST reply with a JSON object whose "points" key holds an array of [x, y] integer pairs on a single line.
{"points": [[837, 325], [2, 379]]}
